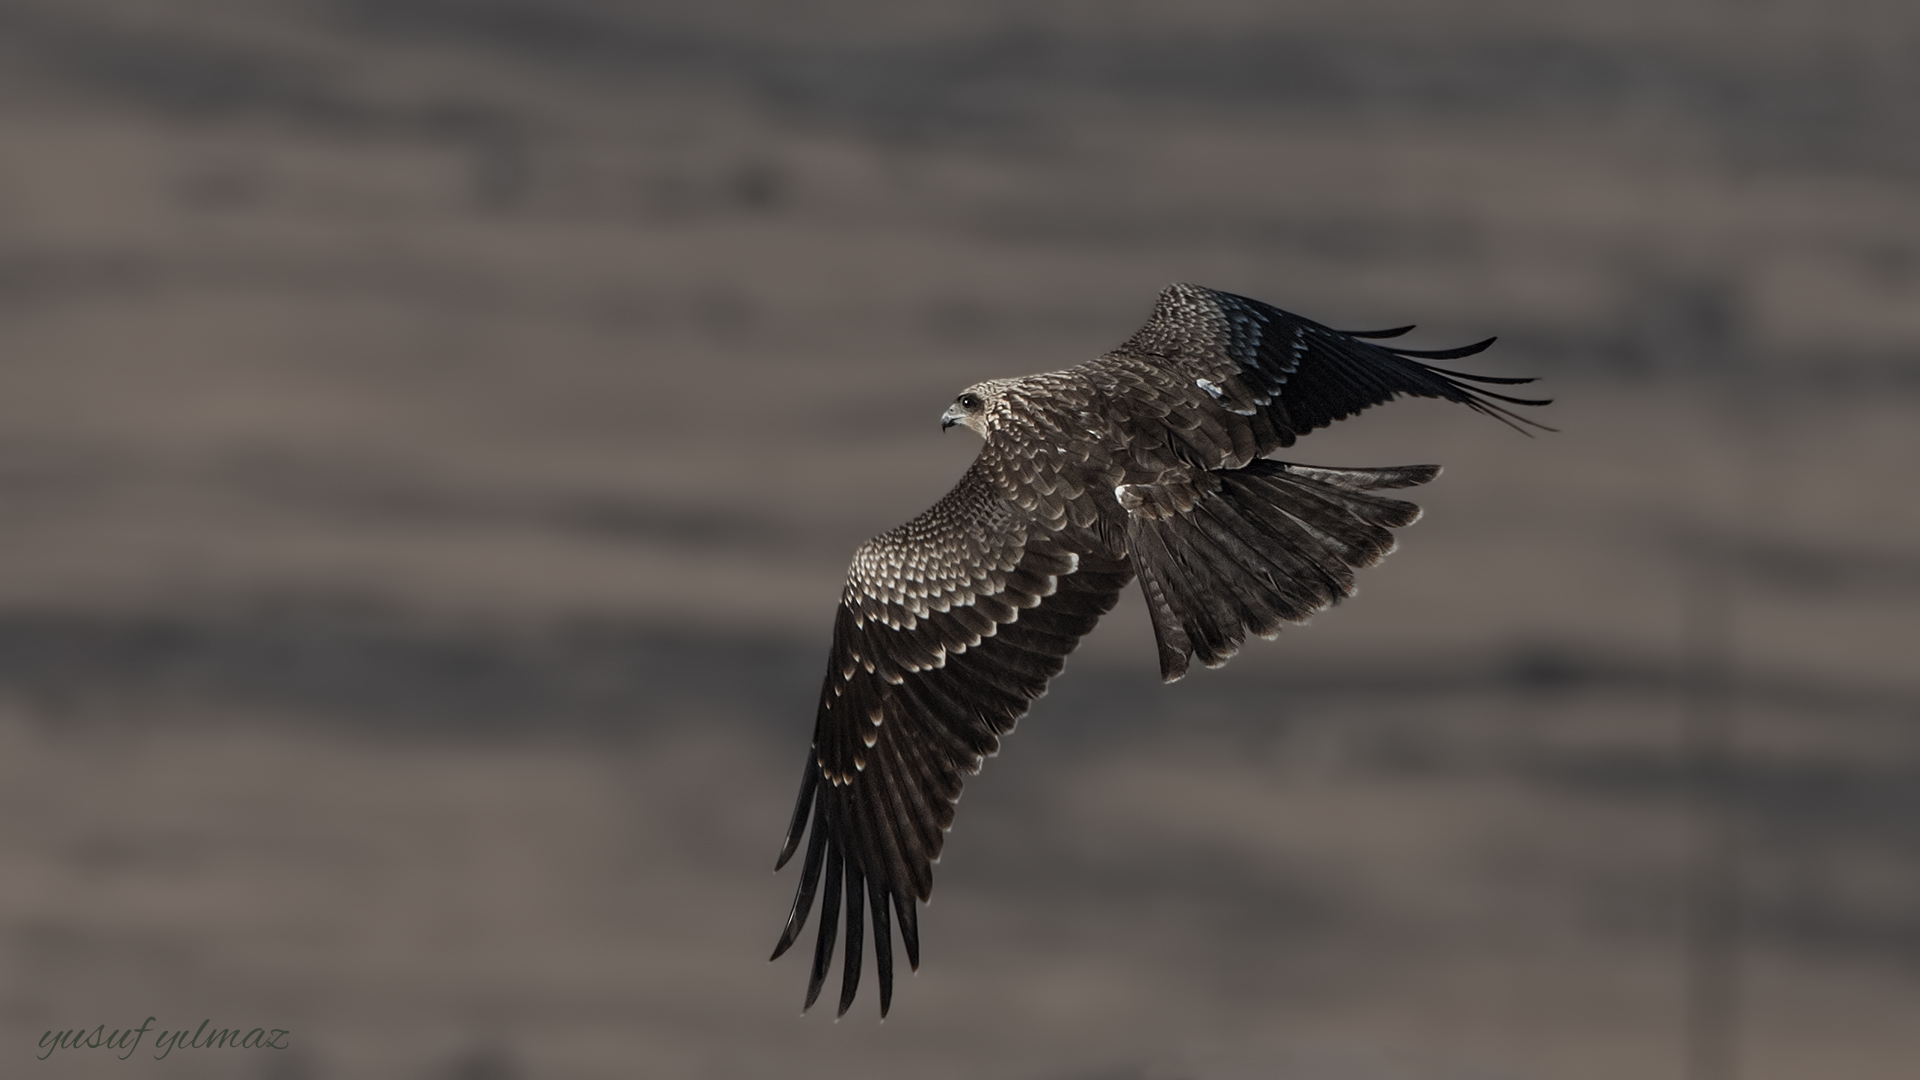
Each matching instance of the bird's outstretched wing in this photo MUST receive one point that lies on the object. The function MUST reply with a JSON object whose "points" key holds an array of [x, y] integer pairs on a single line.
{"points": [[949, 627], [1219, 380]]}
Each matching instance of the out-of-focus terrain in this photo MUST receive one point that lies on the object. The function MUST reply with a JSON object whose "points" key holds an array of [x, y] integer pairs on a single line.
{"points": [[432, 433]]}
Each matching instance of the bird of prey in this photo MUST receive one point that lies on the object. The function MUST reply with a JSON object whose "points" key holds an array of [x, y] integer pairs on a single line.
{"points": [[1149, 462]]}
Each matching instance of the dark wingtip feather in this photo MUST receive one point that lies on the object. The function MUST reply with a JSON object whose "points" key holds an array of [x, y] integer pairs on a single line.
{"points": [[1506, 380], [1482, 401], [909, 928], [809, 778], [882, 944], [1510, 418], [803, 896], [1448, 354], [1377, 334], [829, 927], [856, 939]]}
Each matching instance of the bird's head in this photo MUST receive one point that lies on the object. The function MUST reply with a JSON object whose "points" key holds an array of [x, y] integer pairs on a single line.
{"points": [[978, 406]]}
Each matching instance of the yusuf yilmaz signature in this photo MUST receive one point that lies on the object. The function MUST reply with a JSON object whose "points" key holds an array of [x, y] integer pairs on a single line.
{"points": [[164, 1042]]}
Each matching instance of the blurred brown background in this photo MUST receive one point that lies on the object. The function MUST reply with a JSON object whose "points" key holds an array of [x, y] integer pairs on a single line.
{"points": [[432, 433]]}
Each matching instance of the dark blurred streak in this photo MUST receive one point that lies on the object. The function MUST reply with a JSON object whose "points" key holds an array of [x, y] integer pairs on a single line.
{"points": [[1832, 109], [200, 78], [1829, 111], [502, 172], [389, 496], [223, 186], [487, 1063], [1875, 803], [1331, 236], [292, 1065], [1837, 928], [32, 278], [1566, 671], [973, 323], [29, 277], [1686, 325], [361, 666], [568, 31], [1119, 1072], [178, 73], [1274, 903], [1619, 347], [1825, 570]]}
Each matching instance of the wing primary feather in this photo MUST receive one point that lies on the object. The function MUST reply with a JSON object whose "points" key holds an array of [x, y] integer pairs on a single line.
{"points": [[883, 820], [908, 832], [1441, 354], [922, 774], [1378, 334], [856, 936], [903, 906], [803, 896], [1516, 400], [1489, 393], [1454, 352], [809, 777], [951, 730], [877, 897], [1505, 380], [1476, 399], [829, 926]]}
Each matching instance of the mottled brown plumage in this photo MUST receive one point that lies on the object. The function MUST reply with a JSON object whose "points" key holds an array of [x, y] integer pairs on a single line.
{"points": [[1148, 461]]}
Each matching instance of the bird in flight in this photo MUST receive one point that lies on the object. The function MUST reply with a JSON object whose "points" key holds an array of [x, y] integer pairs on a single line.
{"points": [[1148, 462]]}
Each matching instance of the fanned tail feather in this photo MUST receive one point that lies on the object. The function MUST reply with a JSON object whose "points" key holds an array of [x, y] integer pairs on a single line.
{"points": [[1232, 552]]}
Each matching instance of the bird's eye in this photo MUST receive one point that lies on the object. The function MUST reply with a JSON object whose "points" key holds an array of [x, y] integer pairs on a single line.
{"points": [[970, 402]]}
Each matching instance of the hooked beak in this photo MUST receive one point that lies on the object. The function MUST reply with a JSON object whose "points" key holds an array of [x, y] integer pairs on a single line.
{"points": [[952, 416]]}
